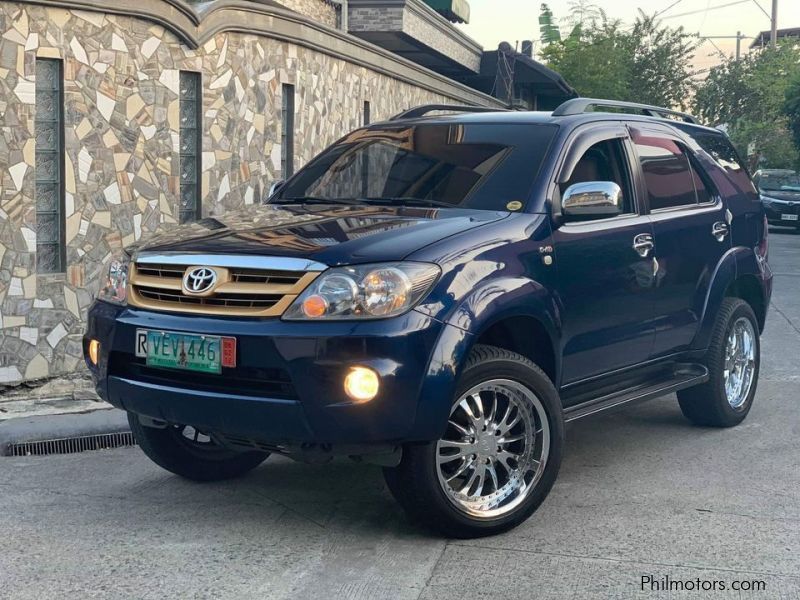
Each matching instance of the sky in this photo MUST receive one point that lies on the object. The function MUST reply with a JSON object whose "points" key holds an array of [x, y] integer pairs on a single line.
{"points": [[494, 21]]}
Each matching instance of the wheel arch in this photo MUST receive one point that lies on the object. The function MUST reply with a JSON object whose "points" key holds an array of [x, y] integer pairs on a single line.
{"points": [[737, 276], [748, 288], [522, 320]]}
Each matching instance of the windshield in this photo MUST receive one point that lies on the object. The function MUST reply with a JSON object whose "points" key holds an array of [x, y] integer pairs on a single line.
{"points": [[782, 182], [484, 166]]}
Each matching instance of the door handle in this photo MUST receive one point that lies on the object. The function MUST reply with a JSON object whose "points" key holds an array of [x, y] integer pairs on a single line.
{"points": [[720, 231], [643, 244]]}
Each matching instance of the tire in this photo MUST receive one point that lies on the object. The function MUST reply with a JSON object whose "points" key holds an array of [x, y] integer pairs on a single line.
{"points": [[170, 449], [422, 488], [708, 404]]}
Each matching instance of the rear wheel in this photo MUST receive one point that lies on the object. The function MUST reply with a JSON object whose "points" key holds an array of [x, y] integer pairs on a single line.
{"points": [[190, 453], [499, 456], [734, 362]]}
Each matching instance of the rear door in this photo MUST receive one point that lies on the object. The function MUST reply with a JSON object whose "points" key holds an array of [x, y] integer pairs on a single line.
{"points": [[691, 227], [605, 284]]}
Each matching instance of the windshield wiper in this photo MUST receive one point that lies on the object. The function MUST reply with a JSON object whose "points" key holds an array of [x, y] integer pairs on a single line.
{"points": [[410, 202], [313, 200]]}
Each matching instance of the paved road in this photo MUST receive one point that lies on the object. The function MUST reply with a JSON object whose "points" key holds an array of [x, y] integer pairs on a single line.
{"points": [[640, 493]]}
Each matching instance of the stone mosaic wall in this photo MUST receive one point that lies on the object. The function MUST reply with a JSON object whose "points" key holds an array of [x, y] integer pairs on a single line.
{"points": [[318, 10], [121, 137]]}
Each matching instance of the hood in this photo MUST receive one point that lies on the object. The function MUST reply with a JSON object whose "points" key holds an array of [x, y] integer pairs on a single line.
{"points": [[332, 235], [788, 195]]}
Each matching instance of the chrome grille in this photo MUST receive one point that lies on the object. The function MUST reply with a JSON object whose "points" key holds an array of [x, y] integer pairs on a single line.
{"points": [[239, 291], [241, 301]]}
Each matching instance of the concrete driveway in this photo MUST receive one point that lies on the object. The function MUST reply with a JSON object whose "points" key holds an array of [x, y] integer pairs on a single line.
{"points": [[641, 494]]}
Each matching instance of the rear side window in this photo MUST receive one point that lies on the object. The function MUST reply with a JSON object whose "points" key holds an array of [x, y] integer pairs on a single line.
{"points": [[703, 194], [718, 147], [667, 172]]}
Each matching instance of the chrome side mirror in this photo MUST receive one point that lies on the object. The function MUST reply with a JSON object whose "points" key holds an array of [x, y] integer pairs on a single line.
{"points": [[597, 199]]}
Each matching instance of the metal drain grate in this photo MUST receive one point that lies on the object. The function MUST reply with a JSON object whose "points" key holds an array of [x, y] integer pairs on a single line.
{"points": [[101, 441]]}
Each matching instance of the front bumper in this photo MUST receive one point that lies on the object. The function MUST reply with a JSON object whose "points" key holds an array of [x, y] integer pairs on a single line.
{"points": [[776, 210], [287, 387]]}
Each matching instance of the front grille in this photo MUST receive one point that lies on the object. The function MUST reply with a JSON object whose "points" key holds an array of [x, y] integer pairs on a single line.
{"points": [[229, 300], [166, 271], [243, 292]]}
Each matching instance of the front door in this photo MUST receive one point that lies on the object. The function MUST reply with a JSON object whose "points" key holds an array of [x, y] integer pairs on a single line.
{"points": [[605, 285], [691, 229]]}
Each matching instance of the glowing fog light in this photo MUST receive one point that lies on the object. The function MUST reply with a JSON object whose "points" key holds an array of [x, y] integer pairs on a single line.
{"points": [[362, 384], [94, 352]]}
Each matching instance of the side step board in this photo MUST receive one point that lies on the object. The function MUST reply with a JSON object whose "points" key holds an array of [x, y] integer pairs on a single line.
{"points": [[685, 376]]}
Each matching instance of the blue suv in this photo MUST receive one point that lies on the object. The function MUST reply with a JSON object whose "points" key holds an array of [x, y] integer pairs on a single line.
{"points": [[439, 295]]}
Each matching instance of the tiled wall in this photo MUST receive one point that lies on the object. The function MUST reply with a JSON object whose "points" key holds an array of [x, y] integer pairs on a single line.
{"points": [[318, 10], [121, 117]]}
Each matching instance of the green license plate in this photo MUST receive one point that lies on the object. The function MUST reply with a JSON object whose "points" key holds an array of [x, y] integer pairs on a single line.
{"points": [[166, 349]]}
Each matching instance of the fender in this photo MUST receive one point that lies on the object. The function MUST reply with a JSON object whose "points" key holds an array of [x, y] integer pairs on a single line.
{"points": [[494, 300], [735, 263]]}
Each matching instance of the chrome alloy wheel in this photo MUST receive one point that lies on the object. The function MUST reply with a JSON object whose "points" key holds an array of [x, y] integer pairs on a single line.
{"points": [[494, 450], [740, 362]]}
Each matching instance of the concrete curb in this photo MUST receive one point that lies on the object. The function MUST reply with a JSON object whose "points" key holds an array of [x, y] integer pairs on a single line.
{"points": [[50, 427]]}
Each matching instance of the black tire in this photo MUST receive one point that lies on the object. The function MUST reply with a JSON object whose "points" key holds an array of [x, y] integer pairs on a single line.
{"points": [[415, 482], [707, 404], [171, 450]]}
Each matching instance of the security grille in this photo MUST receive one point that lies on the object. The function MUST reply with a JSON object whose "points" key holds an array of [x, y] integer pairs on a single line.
{"points": [[49, 154], [287, 133], [190, 145]]}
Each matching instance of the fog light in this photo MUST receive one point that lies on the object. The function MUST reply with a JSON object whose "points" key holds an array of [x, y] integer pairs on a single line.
{"points": [[362, 384], [94, 352]]}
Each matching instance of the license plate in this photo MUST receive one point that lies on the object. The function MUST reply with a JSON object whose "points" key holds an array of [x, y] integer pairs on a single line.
{"points": [[188, 352], [790, 217]]}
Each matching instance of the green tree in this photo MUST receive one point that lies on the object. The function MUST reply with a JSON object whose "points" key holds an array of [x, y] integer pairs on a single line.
{"points": [[647, 63], [750, 97], [583, 13], [791, 108], [549, 32]]}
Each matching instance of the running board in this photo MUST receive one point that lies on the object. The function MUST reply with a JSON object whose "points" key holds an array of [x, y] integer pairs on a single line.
{"points": [[685, 376]]}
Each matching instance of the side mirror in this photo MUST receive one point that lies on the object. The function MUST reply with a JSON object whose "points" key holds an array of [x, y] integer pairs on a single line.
{"points": [[595, 199], [275, 188]]}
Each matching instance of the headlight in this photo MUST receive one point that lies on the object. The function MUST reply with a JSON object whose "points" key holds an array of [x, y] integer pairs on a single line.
{"points": [[115, 290], [364, 292]]}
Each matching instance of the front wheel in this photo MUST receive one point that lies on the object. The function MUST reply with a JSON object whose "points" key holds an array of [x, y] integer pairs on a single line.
{"points": [[190, 453], [499, 456], [734, 362]]}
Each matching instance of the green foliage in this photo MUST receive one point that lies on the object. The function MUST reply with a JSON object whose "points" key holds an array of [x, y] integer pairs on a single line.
{"points": [[548, 29], [791, 108], [647, 63], [752, 98]]}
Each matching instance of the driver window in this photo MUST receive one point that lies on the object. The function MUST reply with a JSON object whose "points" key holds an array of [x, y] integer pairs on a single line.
{"points": [[605, 161]]}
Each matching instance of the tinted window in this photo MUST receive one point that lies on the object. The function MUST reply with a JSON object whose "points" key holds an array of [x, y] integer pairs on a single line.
{"points": [[779, 182], [703, 195], [605, 161], [667, 172], [471, 165], [717, 145]]}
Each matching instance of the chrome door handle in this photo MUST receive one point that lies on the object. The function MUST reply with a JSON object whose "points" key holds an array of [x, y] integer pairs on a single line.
{"points": [[643, 244], [720, 231]]}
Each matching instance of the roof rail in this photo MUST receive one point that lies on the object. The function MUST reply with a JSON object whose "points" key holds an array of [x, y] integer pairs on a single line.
{"points": [[578, 106], [421, 111]]}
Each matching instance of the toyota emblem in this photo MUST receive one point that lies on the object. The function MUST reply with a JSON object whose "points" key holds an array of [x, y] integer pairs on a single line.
{"points": [[200, 280]]}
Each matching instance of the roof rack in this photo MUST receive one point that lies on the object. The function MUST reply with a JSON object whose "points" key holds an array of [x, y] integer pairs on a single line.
{"points": [[421, 111], [578, 106]]}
